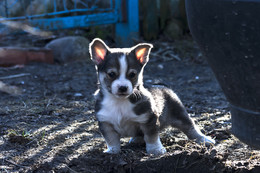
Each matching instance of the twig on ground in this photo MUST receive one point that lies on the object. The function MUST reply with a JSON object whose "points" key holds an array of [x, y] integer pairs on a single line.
{"points": [[13, 163], [71, 169], [15, 76]]}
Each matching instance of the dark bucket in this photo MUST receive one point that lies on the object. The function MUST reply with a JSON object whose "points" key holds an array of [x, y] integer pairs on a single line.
{"points": [[228, 33]]}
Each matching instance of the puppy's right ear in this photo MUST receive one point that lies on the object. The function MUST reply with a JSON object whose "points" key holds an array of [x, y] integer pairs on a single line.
{"points": [[98, 50]]}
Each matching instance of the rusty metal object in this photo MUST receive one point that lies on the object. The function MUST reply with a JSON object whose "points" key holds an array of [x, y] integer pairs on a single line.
{"points": [[15, 55]]}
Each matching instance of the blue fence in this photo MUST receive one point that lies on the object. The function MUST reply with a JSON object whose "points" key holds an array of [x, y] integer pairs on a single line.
{"points": [[65, 14]]}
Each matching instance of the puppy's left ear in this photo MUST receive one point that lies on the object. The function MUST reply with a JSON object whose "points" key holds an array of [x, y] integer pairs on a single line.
{"points": [[98, 51], [142, 52]]}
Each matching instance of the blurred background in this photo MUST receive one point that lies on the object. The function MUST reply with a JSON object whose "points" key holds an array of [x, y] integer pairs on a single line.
{"points": [[112, 20]]}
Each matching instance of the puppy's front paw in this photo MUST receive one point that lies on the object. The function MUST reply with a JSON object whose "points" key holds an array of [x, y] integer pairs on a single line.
{"points": [[156, 148], [207, 140], [112, 150]]}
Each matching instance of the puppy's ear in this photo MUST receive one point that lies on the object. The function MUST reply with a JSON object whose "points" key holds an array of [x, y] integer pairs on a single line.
{"points": [[142, 52], [98, 50]]}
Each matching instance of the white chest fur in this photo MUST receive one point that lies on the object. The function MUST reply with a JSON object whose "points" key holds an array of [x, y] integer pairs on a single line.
{"points": [[119, 113]]}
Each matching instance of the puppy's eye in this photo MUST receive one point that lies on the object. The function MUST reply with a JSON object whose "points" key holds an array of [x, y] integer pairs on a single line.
{"points": [[132, 74], [111, 74]]}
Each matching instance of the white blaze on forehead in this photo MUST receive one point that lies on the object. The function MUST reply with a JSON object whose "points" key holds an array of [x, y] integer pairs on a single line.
{"points": [[123, 67]]}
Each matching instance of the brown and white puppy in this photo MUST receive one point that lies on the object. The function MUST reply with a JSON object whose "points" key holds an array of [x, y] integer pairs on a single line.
{"points": [[124, 107]]}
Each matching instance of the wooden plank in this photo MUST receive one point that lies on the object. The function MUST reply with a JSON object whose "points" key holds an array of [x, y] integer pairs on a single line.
{"points": [[75, 21], [165, 11], [150, 23], [128, 28]]}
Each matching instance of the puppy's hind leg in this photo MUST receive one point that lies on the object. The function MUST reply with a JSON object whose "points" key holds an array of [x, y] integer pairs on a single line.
{"points": [[152, 138], [193, 132], [178, 117]]}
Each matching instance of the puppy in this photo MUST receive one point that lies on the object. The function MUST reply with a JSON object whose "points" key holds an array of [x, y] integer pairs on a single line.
{"points": [[124, 107]]}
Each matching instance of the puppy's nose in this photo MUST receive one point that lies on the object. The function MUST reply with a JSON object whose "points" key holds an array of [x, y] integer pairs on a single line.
{"points": [[122, 89]]}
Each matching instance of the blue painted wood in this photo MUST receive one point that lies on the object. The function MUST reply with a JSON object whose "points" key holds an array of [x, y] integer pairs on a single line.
{"points": [[123, 13], [75, 21], [127, 31], [53, 14]]}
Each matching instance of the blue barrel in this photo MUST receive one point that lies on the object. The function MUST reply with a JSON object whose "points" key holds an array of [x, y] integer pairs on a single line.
{"points": [[228, 33]]}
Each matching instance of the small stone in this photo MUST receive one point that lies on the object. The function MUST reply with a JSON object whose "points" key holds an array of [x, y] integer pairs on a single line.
{"points": [[68, 49], [160, 66], [78, 95]]}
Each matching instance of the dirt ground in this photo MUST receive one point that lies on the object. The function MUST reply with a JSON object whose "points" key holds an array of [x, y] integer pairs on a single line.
{"points": [[51, 127]]}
